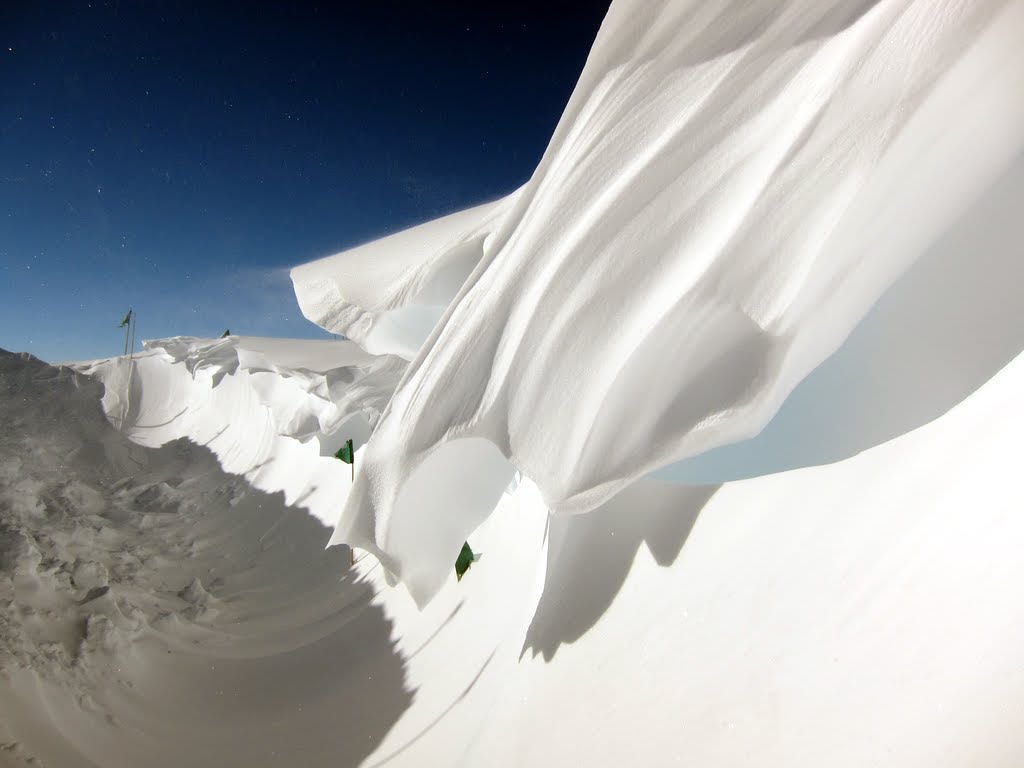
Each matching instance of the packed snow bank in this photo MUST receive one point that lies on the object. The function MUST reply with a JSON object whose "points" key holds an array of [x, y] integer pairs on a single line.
{"points": [[273, 410], [156, 611], [731, 187]]}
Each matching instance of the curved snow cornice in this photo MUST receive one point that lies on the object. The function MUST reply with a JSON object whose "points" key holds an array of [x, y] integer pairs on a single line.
{"points": [[731, 188], [388, 294]]}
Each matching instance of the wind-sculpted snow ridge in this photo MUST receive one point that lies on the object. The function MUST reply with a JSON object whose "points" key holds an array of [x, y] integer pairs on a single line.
{"points": [[730, 189], [865, 612], [388, 294], [274, 410]]}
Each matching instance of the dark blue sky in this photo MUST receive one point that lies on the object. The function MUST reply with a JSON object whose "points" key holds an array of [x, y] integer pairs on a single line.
{"points": [[179, 157]]}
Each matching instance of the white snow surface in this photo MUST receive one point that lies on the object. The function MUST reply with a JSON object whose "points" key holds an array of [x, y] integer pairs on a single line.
{"points": [[387, 294], [156, 611], [731, 188], [799, 219], [159, 612], [273, 410]]}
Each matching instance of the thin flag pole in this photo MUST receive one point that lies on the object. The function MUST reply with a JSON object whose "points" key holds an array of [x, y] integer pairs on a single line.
{"points": [[127, 325], [352, 455]]}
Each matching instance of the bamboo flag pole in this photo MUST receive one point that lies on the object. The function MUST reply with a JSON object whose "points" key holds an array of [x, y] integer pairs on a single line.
{"points": [[352, 455], [347, 453]]}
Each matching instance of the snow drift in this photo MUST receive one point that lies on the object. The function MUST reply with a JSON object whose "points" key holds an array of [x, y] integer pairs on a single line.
{"points": [[736, 191], [273, 410], [730, 189], [158, 612]]}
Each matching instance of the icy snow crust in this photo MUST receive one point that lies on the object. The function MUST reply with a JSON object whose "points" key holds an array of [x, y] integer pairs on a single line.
{"points": [[730, 189]]}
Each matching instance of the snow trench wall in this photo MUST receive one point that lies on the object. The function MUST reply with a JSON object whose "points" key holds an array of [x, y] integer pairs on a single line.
{"points": [[273, 410]]}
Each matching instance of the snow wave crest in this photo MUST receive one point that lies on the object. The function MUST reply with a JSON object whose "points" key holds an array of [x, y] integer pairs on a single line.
{"points": [[730, 189]]}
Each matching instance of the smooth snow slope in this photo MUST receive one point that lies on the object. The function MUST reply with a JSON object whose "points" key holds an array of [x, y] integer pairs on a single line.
{"points": [[942, 330], [860, 613], [731, 187]]}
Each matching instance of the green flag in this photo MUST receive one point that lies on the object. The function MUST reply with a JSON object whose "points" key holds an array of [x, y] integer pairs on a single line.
{"points": [[127, 319], [463, 561], [346, 454]]}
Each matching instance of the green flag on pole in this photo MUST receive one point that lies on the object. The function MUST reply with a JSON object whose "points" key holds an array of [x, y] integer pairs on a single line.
{"points": [[128, 323], [463, 561], [346, 453]]}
